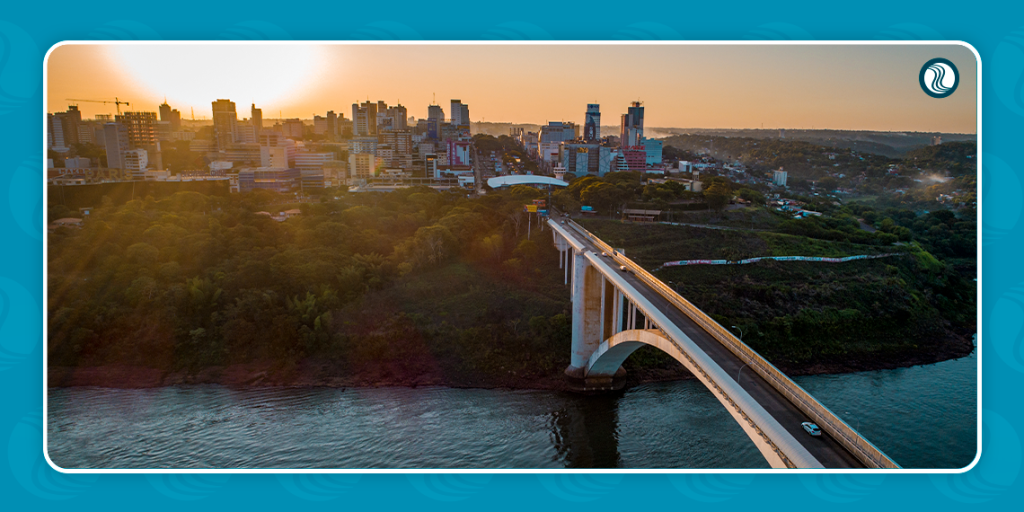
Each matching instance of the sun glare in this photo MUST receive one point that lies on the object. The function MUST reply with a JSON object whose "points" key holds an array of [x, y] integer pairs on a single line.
{"points": [[196, 75]]}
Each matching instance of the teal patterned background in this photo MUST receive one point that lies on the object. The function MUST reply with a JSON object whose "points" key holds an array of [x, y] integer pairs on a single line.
{"points": [[27, 30]]}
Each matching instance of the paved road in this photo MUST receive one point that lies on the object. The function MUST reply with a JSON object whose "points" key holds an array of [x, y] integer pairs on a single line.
{"points": [[830, 453]]}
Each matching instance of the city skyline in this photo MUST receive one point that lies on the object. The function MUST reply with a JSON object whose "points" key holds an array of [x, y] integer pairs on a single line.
{"points": [[683, 86]]}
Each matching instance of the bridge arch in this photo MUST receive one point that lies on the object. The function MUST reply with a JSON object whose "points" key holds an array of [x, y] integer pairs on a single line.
{"points": [[612, 352]]}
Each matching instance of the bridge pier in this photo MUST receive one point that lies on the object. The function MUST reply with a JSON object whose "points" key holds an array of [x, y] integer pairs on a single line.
{"points": [[594, 301]]}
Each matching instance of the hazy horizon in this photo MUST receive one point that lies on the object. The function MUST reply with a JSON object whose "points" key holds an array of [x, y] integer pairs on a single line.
{"points": [[716, 87]]}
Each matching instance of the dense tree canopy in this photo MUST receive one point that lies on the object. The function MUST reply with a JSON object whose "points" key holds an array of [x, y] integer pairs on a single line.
{"points": [[193, 280]]}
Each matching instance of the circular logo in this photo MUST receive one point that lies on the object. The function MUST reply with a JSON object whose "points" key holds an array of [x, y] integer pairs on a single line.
{"points": [[939, 78]]}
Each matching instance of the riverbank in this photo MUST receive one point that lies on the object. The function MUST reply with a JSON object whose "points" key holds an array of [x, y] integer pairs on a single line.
{"points": [[322, 374]]}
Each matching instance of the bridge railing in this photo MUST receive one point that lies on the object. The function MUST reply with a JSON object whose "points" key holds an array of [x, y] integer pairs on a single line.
{"points": [[845, 435]]}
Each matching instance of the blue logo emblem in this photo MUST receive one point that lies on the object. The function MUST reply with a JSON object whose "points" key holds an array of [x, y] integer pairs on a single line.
{"points": [[939, 78]]}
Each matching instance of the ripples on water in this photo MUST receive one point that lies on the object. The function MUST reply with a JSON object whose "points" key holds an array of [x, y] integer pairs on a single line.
{"points": [[921, 416]]}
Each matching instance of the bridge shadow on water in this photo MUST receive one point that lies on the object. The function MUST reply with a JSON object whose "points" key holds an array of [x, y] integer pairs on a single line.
{"points": [[585, 432]]}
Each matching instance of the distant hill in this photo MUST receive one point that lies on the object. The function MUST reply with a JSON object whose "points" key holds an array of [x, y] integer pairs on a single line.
{"points": [[808, 160], [890, 144], [956, 157]]}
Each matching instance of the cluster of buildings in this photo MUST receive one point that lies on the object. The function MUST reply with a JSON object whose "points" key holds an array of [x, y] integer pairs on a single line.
{"points": [[132, 141], [386, 142], [561, 147], [379, 141]]}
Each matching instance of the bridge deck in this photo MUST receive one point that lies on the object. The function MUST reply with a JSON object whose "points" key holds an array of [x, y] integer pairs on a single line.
{"points": [[829, 452]]}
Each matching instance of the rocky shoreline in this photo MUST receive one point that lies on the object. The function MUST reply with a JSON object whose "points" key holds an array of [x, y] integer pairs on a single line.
{"points": [[319, 374]]}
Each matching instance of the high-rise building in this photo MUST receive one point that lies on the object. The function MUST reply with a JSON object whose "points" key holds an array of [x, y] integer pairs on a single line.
{"points": [[364, 119], [778, 177], [225, 121], [311, 163], [458, 152], [319, 125], [632, 130], [136, 161], [276, 150], [435, 112], [256, 118], [62, 128], [141, 127], [430, 163], [559, 131], [362, 145], [397, 118], [435, 117], [362, 165], [400, 144], [274, 156], [170, 115], [292, 128], [531, 142], [592, 123], [453, 132], [85, 133], [586, 158], [55, 138], [245, 133], [654, 149], [115, 138], [382, 114], [633, 158], [460, 113], [332, 125], [74, 116], [163, 131], [327, 126]]}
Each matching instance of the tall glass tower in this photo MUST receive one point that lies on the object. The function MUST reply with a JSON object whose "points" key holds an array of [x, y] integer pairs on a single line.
{"points": [[592, 123], [632, 125]]}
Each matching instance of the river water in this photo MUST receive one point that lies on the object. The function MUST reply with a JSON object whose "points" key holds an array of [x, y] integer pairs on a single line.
{"points": [[922, 417]]}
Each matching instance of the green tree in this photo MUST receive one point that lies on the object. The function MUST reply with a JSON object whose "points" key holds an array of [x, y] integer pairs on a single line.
{"points": [[828, 183], [527, 250], [525, 193], [752, 195], [717, 196], [604, 196]]}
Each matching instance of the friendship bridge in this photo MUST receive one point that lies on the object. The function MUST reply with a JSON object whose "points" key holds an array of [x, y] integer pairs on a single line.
{"points": [[615, 312]]}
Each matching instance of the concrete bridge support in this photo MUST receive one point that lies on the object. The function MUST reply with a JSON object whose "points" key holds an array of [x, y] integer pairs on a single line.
{"points": [[596, 315]]}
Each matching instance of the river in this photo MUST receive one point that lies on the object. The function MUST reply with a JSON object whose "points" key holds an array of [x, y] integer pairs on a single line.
{"points": [[922, 417]]}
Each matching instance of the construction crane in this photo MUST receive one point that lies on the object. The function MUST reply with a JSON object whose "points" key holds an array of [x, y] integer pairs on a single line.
{"points": [[116, 101]]}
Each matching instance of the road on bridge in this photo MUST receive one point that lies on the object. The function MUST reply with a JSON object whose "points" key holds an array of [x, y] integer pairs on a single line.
{"points": [[828, 452]]}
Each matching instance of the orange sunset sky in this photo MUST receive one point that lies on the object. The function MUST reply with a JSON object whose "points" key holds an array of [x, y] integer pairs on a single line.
{"points": [[853, 87]]}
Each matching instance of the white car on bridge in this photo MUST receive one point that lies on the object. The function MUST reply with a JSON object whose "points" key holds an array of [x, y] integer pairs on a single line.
{"points": [[811, 428]]}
